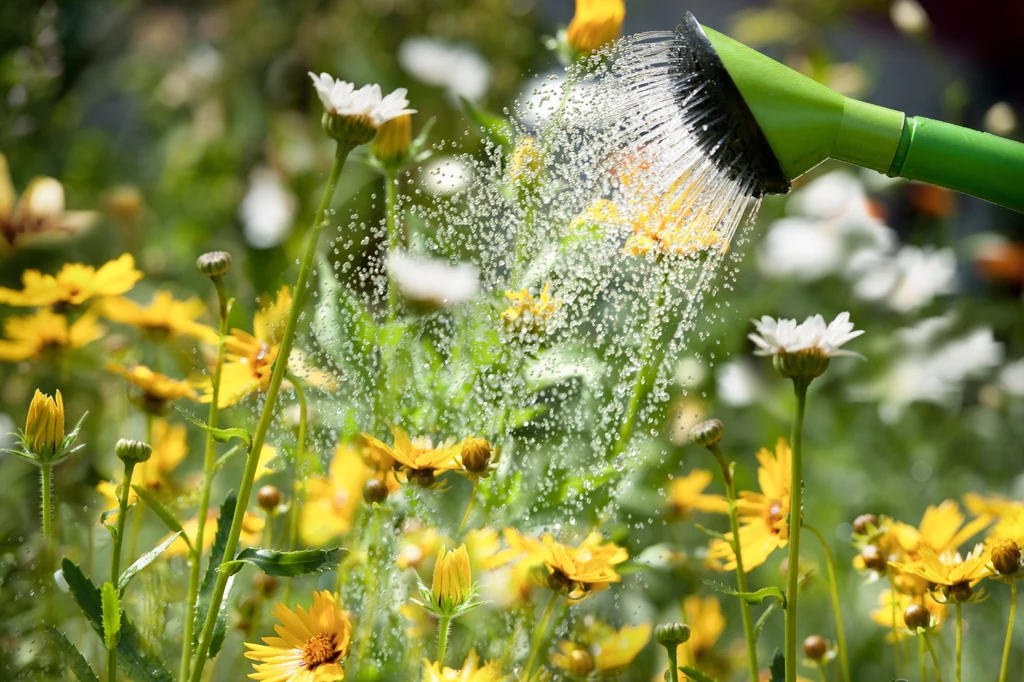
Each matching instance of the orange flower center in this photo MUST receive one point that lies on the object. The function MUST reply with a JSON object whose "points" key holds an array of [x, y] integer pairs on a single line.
{"points": [[318, 651], [775, 515]]}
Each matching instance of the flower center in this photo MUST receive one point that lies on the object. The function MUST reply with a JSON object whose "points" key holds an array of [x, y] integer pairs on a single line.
{"points": [[775, 515], [318, 651]]}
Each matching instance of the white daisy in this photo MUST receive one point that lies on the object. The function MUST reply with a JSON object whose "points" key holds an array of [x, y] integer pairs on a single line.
{"points": [[786, 337], [433, 282], [342, 99]]}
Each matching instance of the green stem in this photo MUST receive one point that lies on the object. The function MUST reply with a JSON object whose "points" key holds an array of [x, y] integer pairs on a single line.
{"points": [[741, 575], [538, 637], [959, 637], [673, 663], [895, 627], [115, 553], [469, 507], [394, 238], [833, 586], [370, 588], [1009, 630], [209, 457], [442, 638], [795, 521], [935, 659], [648, 371], [821, 672], [46, 470], [297, 477], [259, 437], [133, 541], [920, 659]]}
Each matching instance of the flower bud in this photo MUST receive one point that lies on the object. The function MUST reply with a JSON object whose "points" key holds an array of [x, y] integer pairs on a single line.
{"points": [[864, 523], [214, 263], [815, 647], [707, 433], [476, 454], [873, 558], [917, 616], [671, 634], [424, 478], [132, 451], [391, 145], [960, 592], [124, 203], [265, 584], [452, 579], [579, 663], [44, 427], [1006, 557], [348, 128], [805, 364], [268, 498], [375, 490]]}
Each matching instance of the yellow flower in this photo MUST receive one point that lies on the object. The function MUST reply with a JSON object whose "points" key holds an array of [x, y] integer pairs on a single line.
{"points": [[471, 671], [763, 527], [250, 357], [686, 495], [942, 529], [893, 603], [44, 427], [30, 336], [954, 574], [252, 532], [170, 446], [164, 316], [157, 390], [704, 616], [611, 651], [530, 315], [39, 215], [453, 582], [675, 225], [310, 646], [485, 550], [417, 545], [596, 23], [391, 144], [418, 458], [576, 570], [74, 284], [331, 503]]}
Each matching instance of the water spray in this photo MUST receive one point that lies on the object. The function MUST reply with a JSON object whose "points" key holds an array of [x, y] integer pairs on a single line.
{"points": [[771, 124]]}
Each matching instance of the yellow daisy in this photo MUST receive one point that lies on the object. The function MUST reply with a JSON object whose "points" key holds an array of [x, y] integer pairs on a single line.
{"points": [[74, 284], [310, 645], [170, 446], [30, 336], [471, 671], [527, 314], [674, 225], [942, 529], [39, 214], [419, 459], [763, 526], [686, 494], [156, 390], [595, 24], [704, 616], [611, 650], [164, 316], [954, 575], [577, 571]]}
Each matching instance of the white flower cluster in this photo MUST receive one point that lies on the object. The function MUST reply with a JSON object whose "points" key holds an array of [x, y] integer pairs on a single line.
{"points": [[342, 99]]}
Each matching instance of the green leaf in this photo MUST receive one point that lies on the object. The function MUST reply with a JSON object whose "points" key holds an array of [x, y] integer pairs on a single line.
{"points": [[137, 663], [219, 435], [169, 519], [220, 542], [111, 615], [778, 668], [490, 126], [143, 561], [695, 674], [286, 564], [70, 655], [712, 533], [763, 620], [749, 597], [220, 627], [223, 459]]}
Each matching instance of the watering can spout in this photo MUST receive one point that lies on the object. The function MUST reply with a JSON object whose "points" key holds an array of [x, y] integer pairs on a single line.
{"points": [[805, 123]]}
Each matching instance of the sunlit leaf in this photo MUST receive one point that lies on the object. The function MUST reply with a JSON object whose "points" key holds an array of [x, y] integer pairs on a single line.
{"points": [[143, 561], [111, 606], [286, 564]]}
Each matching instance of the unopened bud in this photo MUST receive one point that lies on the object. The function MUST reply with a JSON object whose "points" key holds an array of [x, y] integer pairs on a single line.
{"points": [[1006, 557], [960, 592], [707, 433], [214, 263], [476, 454], [132, 451], [124, 203], [579, 663], [424, 478], [671, 634], [917, 616], [874, 559], [864, 523], [265, 584], [815, 647], [375, 490], [268, 498]]}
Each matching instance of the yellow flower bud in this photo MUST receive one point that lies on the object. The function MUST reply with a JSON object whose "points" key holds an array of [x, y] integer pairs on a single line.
{"points": [[452, 580], [596, 23], [391, 145], [44, 428]]}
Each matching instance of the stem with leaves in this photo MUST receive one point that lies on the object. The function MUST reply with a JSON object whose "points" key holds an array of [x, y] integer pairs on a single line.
{"points": [[276, 377], [115, 554], [795, 521], [209, 458]]}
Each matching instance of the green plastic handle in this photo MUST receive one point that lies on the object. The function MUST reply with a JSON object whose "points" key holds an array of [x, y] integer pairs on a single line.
{"points": [[980, 164]]}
